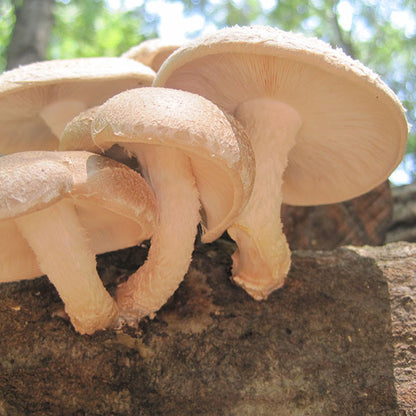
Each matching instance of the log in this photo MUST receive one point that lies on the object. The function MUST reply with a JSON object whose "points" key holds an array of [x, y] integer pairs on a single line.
{"points": [[403, 226], [338, 338], [364, 220]]}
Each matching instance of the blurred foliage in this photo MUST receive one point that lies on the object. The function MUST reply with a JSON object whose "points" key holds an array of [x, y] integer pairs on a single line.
{"points": [[7, 19], [380, 33], [89, 28], [84, 28]]}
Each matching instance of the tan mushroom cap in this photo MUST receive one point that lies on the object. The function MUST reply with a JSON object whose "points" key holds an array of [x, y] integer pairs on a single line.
{"points": [[152, 52], [77, 133], [58, 90], [77, 136], [354, 130], [101, 189], [222, 162]]}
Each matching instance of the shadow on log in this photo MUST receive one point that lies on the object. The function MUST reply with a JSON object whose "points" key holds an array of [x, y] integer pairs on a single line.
{"points": [[339, 338]]}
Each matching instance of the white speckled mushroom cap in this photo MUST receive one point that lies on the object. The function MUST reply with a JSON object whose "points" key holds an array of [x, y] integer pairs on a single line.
{"points": [[152, 52], [113, 215], [221, 157], [84, 82], [354, 130]]}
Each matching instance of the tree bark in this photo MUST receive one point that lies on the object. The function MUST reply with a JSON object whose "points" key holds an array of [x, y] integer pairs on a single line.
{"points": [[338, 338], [403, 227], [359, 221], [31, 33]]}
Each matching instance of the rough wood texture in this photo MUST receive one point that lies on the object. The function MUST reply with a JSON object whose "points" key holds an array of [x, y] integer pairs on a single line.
{"points": [[360, 221], [403, 227], [339, 338]]}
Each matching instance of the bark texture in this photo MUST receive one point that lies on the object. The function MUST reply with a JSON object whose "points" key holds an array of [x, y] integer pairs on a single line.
{"points": [[360, 221], [31, 32], [403, 227], [337, 339]]}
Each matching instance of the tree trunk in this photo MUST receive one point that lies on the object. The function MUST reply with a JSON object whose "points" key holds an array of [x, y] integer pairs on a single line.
{"points": [[31, 33], [337, 339]]}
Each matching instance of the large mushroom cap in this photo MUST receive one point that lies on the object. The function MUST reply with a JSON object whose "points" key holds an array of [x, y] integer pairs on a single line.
{"points": [[353, 132], [113, 215], [152, 52], [222, 162], [56, 91]]}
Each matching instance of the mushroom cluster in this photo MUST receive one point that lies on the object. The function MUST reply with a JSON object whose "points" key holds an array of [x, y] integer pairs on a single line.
{"points": [[57, 211], [230, 126]]}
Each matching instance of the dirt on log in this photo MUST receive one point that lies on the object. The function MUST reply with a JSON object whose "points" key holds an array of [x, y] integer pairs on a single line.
{"points": [[337, 339]]}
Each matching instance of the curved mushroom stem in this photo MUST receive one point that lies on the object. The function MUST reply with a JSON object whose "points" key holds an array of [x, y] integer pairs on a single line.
{"points": [[170, 175], [262, 259], [61, 247], [57, 114]]}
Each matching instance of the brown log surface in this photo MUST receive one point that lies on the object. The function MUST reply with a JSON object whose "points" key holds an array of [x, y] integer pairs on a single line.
{"points": [[339, 338], [403, 227], [359, 221]]}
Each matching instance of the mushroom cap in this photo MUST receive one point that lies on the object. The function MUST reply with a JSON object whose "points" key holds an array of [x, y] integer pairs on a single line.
{"points": [[152, 52], [114, 203], [26, 90], [354, 129], [77, 133], [221, 157]]}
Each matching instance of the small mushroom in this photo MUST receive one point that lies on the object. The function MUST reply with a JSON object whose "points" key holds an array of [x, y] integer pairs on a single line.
{"points": [[77, 133], [324, 128], [59, 209], [200, 166], [77, 136], [152, 52], [38, 100]]}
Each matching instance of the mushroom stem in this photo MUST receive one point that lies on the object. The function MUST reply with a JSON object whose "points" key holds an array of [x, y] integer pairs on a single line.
{"points": [[57, 114], [61, 246], [170, 175], [262, 259]]}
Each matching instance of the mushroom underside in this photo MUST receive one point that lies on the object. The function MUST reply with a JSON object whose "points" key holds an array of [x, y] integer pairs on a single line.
{"points": [[348, 122], [34, 119]]}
